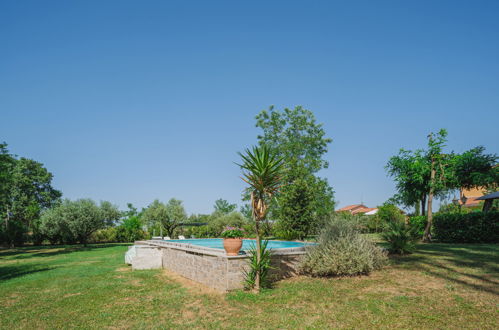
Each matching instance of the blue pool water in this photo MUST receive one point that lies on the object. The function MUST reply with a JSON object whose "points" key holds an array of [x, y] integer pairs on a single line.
{"points": [[217, 243]]}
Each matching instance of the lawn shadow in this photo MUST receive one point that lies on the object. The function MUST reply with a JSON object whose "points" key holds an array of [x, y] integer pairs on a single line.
{"points": [[449, 263], [52, 250], [10, 272]]}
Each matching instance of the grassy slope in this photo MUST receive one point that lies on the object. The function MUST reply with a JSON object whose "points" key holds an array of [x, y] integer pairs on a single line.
{"points": [[442, 285]]}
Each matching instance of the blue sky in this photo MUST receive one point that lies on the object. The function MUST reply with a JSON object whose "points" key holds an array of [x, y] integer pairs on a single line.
{"points": [[130, 101]]}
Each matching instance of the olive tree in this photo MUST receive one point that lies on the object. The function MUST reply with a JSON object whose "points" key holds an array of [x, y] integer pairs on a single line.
{"points": [[169, 216], [75, 221]]}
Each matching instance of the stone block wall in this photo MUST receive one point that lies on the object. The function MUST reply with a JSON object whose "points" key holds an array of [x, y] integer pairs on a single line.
{"points": [[212, 268], [147, 257]]}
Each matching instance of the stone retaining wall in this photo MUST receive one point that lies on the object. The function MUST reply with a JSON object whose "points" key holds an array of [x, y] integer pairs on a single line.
{"points": [[212, 267]]}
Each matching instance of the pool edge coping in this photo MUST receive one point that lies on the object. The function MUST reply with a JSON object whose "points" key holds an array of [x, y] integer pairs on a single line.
{"points": [[213, 251]]}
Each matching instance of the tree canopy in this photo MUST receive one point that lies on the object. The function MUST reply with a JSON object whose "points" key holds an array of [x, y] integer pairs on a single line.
{"points": [[426, 173], [25, 190], [169, 215], [295, 136], [223, 206], [75, 221]]}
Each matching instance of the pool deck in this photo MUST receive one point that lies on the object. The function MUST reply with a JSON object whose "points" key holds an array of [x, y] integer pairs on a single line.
{"points": [[209, 266]]}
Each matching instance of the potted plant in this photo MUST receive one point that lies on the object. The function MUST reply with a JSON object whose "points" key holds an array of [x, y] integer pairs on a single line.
{"points": [[232, 240]]}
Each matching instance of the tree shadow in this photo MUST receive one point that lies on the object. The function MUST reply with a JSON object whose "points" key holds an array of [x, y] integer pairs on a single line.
{"points": [[449, 263], [49, 251], [10, 272]]}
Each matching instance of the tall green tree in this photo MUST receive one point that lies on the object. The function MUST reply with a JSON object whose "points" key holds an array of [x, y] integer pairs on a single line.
{"points": [[297, 138], [169, 216], [25, 190], [475, 168], [440, 176], [411, 173], [262, 171], [223, 206], [426, 174]]}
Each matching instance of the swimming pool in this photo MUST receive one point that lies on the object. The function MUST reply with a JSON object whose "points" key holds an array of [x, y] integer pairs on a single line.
{"points": [[217, 243]]}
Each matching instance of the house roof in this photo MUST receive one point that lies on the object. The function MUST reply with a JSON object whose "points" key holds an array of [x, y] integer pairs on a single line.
{"points": [[357, 208], [352, 207], [368, 209]]}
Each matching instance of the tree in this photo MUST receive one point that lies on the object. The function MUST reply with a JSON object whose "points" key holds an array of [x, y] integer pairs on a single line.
{"points": [[169, 216], [262, 172], [25, 191], [295, 200], [412, 172], [430, 173], [412, 176], [438, 162], [72, 221], [301, 142], [223, 206], [474, 168]]}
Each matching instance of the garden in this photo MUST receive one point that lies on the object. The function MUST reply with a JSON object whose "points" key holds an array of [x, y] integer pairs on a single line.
{"points": [[408, 265]]}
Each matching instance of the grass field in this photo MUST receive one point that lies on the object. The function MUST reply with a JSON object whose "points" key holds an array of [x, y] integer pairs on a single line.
{"points": [[440, 286]]}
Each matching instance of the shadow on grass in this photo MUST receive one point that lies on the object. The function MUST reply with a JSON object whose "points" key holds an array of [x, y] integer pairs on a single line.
{"points": [[53, 250], [449, 262], [10, 272]]}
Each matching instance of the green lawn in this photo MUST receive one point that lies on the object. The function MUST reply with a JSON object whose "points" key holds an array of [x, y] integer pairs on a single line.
{"points": [[440, 286]]}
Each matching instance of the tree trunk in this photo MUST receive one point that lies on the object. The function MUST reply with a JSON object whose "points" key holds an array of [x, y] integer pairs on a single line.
{"points": [[427, 232], [417, 209], [258, 256], [423, 205]]}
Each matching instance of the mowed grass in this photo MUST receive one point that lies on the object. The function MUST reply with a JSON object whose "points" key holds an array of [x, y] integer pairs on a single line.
{"points": [[440, 286]]}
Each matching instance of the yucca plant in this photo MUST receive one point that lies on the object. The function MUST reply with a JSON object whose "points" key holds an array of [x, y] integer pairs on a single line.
{"points": [[262, 172], [401, 238], [256, 267]]}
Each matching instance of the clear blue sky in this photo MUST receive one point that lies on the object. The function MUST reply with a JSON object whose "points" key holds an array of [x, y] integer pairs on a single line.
{"points": [[129, 101]]}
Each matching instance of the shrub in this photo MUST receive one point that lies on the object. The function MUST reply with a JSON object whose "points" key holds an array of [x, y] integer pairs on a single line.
{"points": [[476, 227], [72, 221], [130, 230], [342, 250], [418, 223], [401, 238], [389, 213], [373, 223]]}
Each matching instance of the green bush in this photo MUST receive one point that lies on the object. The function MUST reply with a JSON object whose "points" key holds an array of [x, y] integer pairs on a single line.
{"points": [[342, 250], [401, 238], [389, 213], [418, 223], [130, 230], [476, 227]]}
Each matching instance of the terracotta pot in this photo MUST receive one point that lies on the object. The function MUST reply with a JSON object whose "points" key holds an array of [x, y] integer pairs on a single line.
{"points": [[232, 246]]}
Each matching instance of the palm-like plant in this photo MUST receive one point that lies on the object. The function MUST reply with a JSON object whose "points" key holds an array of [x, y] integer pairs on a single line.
{"points": [[262, 171]]}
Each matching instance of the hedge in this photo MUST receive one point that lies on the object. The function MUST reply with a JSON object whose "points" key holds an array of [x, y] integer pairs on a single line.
{"points": [[476, 227]]}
